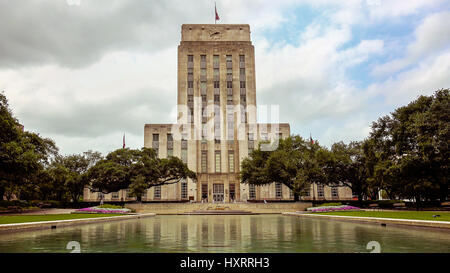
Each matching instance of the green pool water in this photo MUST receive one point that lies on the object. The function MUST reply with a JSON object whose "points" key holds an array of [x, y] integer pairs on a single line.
{"points": [[232, 233]]}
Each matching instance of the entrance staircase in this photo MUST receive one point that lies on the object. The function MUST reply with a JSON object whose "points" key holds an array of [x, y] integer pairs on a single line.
{"points": [[218, 210]]}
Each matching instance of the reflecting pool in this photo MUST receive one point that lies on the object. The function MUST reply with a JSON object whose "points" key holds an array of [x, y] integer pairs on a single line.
{"points": [[230, 233]]}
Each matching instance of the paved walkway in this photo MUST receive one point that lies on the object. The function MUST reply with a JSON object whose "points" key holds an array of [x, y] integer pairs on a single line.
{"points": [[384, 221], [44, 212]]}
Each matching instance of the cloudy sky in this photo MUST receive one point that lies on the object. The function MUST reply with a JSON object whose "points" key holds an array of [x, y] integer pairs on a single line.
{"points": [[84, 72]]}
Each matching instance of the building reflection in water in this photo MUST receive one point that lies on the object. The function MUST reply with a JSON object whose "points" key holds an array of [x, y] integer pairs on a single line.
{"points": [[239, 233]]}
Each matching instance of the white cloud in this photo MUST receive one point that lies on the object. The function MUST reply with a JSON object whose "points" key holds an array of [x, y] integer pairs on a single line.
{"points": [[120, 93], [397, 8], [430, 75], [86, 74], [431, 37]]}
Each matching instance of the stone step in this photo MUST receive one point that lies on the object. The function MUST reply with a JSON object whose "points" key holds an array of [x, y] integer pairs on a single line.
{"points": [[218, 212]]}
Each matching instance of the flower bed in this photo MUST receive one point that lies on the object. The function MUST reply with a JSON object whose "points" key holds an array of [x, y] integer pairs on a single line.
{"points": [[332, 208], [102, 210]]}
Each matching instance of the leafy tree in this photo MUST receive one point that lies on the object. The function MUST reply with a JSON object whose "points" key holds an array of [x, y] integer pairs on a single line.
{"points": [[295, 163], [138, 187], [411, 148], [140, 169], [23, 155], [78, 166], [347, 166]]}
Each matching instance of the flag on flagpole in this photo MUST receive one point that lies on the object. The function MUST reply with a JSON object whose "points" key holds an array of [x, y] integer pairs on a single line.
{"points": [[310, 139], [217, 14], [123, 147]]}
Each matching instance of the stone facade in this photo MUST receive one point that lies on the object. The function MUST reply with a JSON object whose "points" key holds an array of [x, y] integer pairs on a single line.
{"points": [[217, 120]]}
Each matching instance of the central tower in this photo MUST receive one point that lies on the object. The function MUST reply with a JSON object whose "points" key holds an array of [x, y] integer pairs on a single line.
{"points": [[216, 117], [217, 100]]}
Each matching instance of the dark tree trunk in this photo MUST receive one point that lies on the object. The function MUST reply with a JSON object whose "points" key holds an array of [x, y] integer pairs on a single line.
{"points": [[296, 197], [2, 193], [359, 198], [443, 192], [75, 199], [417, 197]]}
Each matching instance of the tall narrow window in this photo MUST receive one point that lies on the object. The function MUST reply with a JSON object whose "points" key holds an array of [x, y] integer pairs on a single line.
{"points": [[278, 190], [251, 143], [203, 88], [190, 89], [203, 61], [155, 143], [231, 161], [169, 145], [241, 61], [252, 191], [184, 188], [335, 192], [217, 161], [217, 134], [232, 191], [320, 191], [205, 191], [184, 147], [243, 91], [157, 192], [216, 61], [306, 192], [204, 161], [184, 155], [230, 123], [204, 132]]}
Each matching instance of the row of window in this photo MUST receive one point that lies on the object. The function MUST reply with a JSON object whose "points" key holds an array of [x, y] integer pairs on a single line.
{"points": [[278, 190], [251, 144], [218, 187], [190, 59], [229, 84], [250, 137], [321, 192], [204, 160], [252, 187], [156, 192]]}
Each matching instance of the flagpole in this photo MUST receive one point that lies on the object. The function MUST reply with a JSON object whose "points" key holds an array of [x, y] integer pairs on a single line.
{"points": [[215, 11]]}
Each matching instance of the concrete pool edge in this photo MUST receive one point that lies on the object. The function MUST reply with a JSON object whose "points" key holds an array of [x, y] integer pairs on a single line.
{"points": [[394, 221], [65, 223]]}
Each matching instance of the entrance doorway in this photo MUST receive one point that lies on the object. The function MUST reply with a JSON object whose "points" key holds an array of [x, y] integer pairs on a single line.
{"points": [[232, 192], [218, 193], [205, 192]]}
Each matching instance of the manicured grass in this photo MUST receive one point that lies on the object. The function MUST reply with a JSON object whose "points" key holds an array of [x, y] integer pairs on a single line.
{"points": [[10, 219], [414, 215]]}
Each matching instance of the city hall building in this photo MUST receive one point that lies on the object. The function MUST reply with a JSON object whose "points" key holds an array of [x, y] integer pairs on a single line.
{"points": [[217, 123]]}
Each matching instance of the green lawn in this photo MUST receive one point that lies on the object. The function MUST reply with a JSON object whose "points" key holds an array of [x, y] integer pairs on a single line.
{"points": [[10, 219], [416, 215]]}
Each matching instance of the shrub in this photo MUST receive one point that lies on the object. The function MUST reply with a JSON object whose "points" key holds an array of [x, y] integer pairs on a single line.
{"points": [[109, 206], [330, 204]]}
